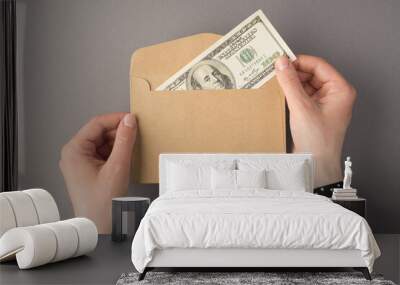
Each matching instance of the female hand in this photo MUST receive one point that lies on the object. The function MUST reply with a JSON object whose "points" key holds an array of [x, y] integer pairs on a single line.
{"points": [[96, 164], [320, 102]]}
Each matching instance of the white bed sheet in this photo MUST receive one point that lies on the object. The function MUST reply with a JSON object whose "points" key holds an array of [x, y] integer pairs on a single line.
{"points": [[251, 218]]}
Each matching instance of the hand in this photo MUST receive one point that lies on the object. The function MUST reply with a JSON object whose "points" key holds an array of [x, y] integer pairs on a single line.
{"points": [[320, 102], [96, 164]]}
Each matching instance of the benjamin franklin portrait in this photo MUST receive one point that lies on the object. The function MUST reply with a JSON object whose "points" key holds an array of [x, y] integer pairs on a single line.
{"points": [[210, 74]]}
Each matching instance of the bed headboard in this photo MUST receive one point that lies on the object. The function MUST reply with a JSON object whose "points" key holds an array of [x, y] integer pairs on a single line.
{"points": [[171, 157]]}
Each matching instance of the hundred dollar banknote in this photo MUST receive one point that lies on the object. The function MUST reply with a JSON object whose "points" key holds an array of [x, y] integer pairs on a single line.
{"points": [[242, 59]]}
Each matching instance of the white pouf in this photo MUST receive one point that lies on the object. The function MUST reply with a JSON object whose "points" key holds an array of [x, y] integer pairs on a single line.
{"points": [[26, 208], [87, 233], [31, 232], [40, 244], [23, 208], [33, 246], [67, 239], [46, 207], [7, 219]]}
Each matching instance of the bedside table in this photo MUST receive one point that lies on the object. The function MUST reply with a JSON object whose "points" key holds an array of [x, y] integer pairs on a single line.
{"points": [[358, 206], [135, 208]]}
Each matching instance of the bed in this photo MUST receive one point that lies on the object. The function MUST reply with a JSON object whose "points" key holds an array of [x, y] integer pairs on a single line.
{"points": [[246, 211]]}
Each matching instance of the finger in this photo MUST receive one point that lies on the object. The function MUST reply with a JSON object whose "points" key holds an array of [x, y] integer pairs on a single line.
{"points": [[322, 71], [290, 83], [95, 129], [304, 76], [310, 90], [110, 135], [104, 151], [124, 140]]}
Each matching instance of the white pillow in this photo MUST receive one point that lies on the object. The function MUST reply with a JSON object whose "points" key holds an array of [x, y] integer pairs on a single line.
{"points": [[183, 177], [281, 175], [188, 175], [289, 179], [223, 179], [237, 179], [251, 178]]}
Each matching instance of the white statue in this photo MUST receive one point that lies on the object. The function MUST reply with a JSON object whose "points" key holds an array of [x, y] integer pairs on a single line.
{"points": [[348, 173]]}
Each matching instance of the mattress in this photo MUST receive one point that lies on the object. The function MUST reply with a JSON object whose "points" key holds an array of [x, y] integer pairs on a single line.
{"points": [[251, 219]]}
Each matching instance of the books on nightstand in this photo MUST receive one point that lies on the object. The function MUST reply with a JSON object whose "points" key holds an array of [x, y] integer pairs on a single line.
{"points": [[344, 194]]}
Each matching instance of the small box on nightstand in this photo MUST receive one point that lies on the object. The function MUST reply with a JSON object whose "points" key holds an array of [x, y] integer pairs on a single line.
{"points": [[357, 205]]}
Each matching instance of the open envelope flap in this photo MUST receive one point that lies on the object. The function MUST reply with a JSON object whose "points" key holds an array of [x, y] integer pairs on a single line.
{"points": [[157, 63]]}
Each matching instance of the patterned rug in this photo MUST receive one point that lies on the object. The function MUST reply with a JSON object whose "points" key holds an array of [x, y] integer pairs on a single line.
{"points": [[269, 278]]}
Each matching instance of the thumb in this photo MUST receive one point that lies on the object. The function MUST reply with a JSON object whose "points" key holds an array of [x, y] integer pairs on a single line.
{"points": [[290, 83], [125, 137]]}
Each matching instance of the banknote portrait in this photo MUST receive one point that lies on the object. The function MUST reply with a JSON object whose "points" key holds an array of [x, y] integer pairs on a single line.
{"points": [[210, 74]]}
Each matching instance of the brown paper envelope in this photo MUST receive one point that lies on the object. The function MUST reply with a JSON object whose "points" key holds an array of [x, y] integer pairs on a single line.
{"points": [[202, 121]]}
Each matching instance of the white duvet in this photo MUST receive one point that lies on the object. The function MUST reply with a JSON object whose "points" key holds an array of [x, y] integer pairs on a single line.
{"points": [[252, 218]]}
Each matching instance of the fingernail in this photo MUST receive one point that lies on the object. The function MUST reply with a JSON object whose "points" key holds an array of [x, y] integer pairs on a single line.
{"points": [[129, 120], [282, 63]]}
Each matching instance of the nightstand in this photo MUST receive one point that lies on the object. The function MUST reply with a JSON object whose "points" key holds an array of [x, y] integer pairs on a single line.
{"points": [[134, 208], [358, 205]]}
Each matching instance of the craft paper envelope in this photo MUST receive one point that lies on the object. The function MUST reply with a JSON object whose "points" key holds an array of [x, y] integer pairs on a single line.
{"points": [[209, 121]]}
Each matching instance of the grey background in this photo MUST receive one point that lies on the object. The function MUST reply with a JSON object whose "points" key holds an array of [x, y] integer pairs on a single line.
{"points": [[73, 63]]}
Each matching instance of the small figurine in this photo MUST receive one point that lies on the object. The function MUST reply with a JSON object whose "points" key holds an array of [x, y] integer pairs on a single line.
{"points": [[348, 173]]}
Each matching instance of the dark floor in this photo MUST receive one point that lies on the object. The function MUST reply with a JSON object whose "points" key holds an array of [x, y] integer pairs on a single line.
{"points": [[389, 262], [110, 260]]}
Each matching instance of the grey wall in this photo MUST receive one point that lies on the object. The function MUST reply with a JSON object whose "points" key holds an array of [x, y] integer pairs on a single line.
{"points": [[74, 62]]}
